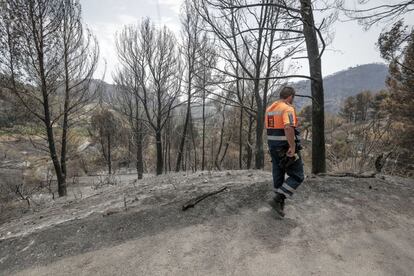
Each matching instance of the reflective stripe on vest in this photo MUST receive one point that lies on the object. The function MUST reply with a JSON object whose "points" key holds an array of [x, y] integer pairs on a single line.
{"points": [[279, 138]]}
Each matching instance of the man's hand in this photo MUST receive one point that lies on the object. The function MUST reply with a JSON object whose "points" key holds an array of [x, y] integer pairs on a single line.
{"points": [[291, 152]]}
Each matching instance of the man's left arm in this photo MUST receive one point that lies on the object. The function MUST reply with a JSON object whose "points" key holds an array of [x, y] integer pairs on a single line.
{"points": [[290, 135]]}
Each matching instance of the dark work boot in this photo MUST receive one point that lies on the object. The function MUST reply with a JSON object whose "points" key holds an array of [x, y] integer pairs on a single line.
{"points": [[278, 204]]}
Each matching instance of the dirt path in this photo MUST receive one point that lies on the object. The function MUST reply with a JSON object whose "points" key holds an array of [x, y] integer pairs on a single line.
{"points": [[334, 226]]}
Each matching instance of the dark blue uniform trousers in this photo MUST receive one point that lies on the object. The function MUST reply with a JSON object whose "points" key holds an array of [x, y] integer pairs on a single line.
{"points": [[294, 172]]}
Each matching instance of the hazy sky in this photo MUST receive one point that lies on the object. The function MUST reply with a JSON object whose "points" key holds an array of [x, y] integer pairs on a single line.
{"points": [[351, 45]]}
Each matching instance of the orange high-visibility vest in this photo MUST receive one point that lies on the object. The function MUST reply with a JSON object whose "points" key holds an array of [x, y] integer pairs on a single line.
{"points": [[278, 115]]}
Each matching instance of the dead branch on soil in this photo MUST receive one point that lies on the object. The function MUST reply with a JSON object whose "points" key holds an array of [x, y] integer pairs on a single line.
{"points": [[194, 201], [349, 174]]}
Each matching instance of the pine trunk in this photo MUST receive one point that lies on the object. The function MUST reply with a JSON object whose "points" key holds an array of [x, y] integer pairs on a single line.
{"points": [[318, 124]]}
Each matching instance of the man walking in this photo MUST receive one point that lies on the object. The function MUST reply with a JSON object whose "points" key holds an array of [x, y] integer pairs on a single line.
{"points": [[284, 146]]}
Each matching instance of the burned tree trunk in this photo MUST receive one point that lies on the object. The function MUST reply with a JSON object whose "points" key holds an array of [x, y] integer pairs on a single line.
{"points": [[318, 116], [203, 150], [140, 163], [109, 161], [249, 150], [139, 137], [160, 159], [184, 134], [241, 139]]}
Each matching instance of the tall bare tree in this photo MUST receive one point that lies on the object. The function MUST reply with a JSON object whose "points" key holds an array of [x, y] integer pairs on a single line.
{"points": [[204, 83], [80, 59], [47, 53], [312, 34], [127, 102], [150, 54], [191, 36], [37, 24]]}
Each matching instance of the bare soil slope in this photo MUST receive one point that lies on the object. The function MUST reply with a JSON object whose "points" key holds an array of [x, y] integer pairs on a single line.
{"points": [[334, 226]]}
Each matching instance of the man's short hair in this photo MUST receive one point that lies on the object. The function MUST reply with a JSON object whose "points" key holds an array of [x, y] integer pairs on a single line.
{"points": [[286, 92]]}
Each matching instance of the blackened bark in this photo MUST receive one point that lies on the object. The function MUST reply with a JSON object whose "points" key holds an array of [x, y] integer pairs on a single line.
{"points": [[129, 153], [49, 128], [194, 144], [109, 160], [203, 157], [240, 122], [63, 151], [259, 154], [140, 163], [65, 124], [241, 139], [249, 151], [169, 154], [160, 160], [184, 134], [318, 124], [165, 146], [139, 143], [217, 161]]}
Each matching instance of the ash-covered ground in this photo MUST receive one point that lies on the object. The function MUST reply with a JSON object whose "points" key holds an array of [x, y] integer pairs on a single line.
{"points": [[334, 226]]}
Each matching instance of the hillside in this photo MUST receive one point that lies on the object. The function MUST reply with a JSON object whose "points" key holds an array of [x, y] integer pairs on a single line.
{"points": [[343, 84], [338, 86], [334, 226]]}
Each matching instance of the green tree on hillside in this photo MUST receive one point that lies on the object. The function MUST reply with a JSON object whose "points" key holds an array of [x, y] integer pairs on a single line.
{"points": [[397, 46], [348, 109], [357, 109], [363, 101], [378, 105]]}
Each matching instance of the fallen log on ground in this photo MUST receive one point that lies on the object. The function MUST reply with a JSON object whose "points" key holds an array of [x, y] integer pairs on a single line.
{"points": [[349, 174], [191, 203]]}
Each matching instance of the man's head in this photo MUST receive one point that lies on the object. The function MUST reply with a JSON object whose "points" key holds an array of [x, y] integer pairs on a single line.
{"points": [[287, 93]]}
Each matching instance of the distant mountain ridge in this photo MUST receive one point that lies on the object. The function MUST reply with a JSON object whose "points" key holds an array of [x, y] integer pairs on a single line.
{"points": [[337, 87], [346, 83]]}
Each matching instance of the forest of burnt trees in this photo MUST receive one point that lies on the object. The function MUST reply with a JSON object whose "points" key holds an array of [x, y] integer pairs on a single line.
{"points": [[196, 100]]}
